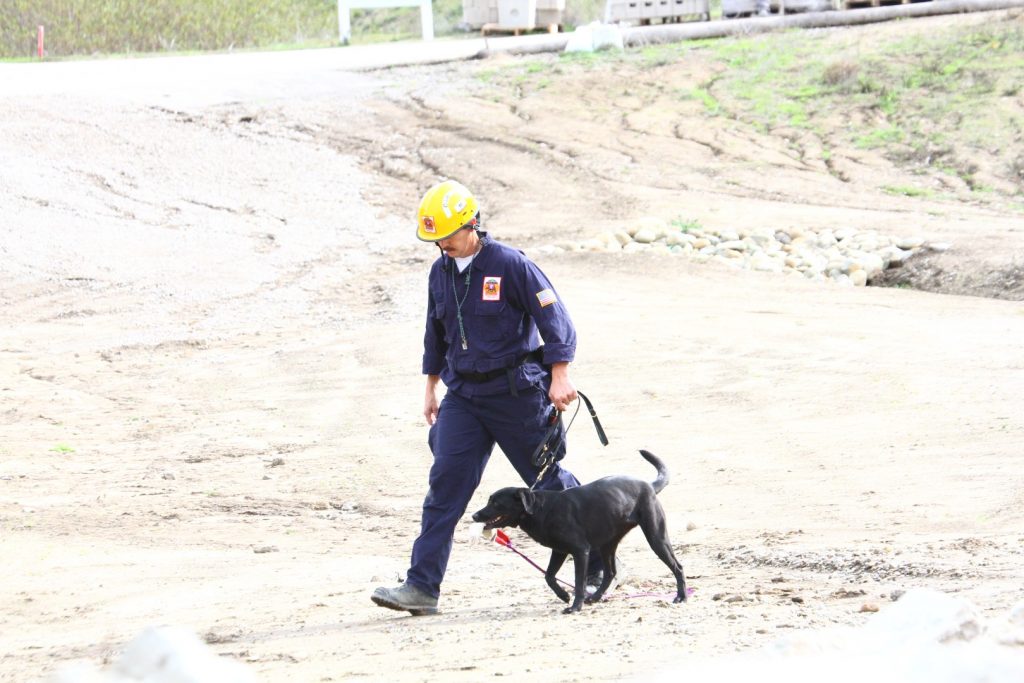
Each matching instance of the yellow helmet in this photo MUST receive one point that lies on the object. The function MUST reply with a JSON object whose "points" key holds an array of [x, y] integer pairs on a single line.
{"points": [[445, 209]]}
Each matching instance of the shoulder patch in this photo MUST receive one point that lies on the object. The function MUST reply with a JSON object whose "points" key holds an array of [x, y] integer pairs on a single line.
{"points": [[546, 297]]}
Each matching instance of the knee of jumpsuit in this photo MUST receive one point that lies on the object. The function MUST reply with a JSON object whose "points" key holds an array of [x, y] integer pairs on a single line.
{"points": [[460, 454]]}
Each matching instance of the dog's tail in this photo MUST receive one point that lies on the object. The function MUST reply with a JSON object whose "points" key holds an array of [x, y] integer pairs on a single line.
{"points": [[662, 480]]}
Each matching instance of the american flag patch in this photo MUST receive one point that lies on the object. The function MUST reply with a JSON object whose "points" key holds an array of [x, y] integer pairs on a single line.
{"points": [[546, 297]]}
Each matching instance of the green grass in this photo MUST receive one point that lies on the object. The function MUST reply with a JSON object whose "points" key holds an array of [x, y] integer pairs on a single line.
{"points": [[704, 96], [931, 103], [686, 224], [77, 27], [62, 448], [905, 191], [916, 101], [879, 137], [131, 27], [118, 27]]}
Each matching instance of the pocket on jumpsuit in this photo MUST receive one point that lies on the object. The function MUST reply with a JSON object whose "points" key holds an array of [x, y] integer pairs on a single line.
{"points": [[492, 318], [440, 315]]}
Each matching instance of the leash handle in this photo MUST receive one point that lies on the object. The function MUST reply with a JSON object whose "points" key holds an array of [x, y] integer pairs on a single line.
{"points": [[593, 415], [544, 456]]}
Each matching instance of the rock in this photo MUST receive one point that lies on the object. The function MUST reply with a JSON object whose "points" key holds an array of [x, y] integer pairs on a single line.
{"points": [[164, 654], [939, 246], [674, 239], [1012, 632], [894, 256], [930, 615], [859, 278], [868, 607], [826, 239], [735, 245], [842, 279], [1016, 615], [872, 263], [839, 265], [731, 262], [765, 263], [645, 235], [650, 224], [909, 242], [622, 237]]}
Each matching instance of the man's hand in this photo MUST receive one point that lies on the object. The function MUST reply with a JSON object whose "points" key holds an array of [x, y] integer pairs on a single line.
{"points": [[562, 391], [430, 405]]}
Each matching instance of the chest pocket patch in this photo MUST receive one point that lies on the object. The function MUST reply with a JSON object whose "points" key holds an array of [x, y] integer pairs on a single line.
{"points": [[491, 289]]}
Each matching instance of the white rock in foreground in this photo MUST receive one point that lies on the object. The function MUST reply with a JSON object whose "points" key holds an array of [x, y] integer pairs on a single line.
{"points": [[925, 637], [164, 654]]}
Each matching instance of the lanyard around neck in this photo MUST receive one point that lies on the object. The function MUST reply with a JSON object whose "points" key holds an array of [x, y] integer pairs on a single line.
{"points": [[458, 303]]}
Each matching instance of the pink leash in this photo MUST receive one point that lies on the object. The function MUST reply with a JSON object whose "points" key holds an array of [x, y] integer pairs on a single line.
{"points": [[501, 538]]}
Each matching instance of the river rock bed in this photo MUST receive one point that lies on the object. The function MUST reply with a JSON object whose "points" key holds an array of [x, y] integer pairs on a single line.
{"points": [[846, 256]]}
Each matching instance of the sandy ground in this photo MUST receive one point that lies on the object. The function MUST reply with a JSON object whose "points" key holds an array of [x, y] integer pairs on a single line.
{"points": [[210, 400]]}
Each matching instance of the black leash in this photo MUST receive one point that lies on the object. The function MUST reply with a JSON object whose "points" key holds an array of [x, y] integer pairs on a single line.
{"points": [[544, 456]]}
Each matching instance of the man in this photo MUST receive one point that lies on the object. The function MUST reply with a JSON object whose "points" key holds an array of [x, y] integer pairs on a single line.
{"points": [[486, 304]]}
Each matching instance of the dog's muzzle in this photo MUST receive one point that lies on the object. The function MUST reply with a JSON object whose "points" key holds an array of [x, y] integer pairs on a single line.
{"points": [[494, 522]]}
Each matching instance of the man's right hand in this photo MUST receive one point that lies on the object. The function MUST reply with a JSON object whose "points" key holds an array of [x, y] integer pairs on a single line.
{"points": [[430, 404]]}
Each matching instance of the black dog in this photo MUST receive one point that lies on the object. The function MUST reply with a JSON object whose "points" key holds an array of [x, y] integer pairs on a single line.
{"points": [[596, 515]]}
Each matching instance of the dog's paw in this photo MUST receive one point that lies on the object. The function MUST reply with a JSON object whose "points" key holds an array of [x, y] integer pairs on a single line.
{"points": [[680, 598], [573, 609]]}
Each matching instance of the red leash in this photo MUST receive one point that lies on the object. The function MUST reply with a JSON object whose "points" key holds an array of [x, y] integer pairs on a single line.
{"points": [[501, 538]]}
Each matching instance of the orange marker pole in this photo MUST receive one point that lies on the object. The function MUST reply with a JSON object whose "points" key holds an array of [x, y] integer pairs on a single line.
{"points": [[39, 42]]}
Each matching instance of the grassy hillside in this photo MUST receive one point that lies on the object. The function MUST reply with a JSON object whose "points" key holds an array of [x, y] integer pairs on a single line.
{"points": [[88, 27], [944, 105], [77, 27]]}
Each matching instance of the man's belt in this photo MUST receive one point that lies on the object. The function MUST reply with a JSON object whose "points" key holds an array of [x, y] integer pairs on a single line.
{"points": [[480, 377]]}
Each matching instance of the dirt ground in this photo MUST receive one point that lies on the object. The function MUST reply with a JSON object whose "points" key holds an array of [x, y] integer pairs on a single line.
{"points": [[210, 399]]}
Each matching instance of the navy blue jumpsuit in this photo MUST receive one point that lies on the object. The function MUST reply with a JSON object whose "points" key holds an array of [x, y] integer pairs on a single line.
{"points": [[497, 388]]}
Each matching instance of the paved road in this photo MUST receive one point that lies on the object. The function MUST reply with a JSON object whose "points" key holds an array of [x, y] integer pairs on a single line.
{"points": [[212, 79]]}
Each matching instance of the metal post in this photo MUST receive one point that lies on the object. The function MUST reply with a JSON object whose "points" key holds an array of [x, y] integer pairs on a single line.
{"points": [[427, 19], [344, 22]]}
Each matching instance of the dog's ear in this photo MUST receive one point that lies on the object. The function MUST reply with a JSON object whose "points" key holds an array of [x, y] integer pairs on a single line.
{"points": [[527, 498]]}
